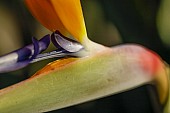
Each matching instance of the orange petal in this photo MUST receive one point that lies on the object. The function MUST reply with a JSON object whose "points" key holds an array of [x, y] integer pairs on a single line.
{"points": [[43, 11], [63, 15], [70, 13]]}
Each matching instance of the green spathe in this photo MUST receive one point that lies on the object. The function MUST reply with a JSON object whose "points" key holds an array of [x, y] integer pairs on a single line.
{"points": [[106, 73]]}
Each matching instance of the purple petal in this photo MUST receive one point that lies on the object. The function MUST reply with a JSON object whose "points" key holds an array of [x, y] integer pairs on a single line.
{"points": [[62, 42], [25, 53], [36, 48], [22, 57], [65, 47], [43, 44], [20, 62]]}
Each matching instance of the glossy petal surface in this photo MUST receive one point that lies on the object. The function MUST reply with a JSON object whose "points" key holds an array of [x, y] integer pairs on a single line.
{"points": [[62, 42]]}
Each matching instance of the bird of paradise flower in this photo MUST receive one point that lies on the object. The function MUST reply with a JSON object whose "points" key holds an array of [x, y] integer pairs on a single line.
{"points": [[91, 71]]}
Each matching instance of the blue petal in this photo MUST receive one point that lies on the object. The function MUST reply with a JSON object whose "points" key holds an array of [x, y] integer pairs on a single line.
{"points": [[30, 54], [62, 42], [65, 47], [43, 44], [22, 57], [36, 48], [23, 54]]}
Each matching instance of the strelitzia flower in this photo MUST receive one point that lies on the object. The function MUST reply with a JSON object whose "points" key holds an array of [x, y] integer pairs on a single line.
{"points": [[66, 17], [55, 21], [97, 72]]}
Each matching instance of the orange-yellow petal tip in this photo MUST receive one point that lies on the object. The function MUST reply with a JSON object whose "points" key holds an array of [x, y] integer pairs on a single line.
{"points": [[70, 13], [45, 14], [63, 15]]}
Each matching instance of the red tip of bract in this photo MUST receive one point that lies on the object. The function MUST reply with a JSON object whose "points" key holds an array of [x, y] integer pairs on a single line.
{"points": [[150, 62], [153, 64]]}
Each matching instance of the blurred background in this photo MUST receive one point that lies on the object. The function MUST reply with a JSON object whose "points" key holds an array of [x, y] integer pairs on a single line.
{"points": [[109, 22]]}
